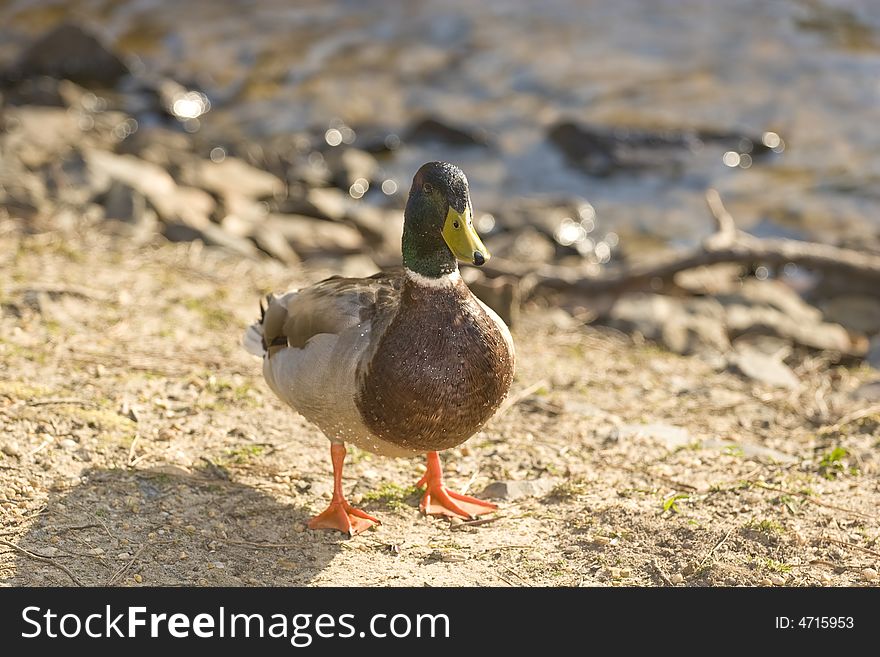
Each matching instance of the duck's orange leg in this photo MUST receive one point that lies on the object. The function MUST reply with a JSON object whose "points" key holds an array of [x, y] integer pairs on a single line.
{"points": [[440, 501], [340, 514]]}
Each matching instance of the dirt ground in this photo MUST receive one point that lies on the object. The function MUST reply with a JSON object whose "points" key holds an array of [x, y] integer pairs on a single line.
{"points": [[140, 446]]}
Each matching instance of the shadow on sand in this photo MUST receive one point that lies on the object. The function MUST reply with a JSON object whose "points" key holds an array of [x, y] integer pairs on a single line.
{"points": [[169, 527]]}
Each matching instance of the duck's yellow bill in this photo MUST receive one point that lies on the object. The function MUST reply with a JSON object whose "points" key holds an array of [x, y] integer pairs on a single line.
{"points": [[462, 238]]}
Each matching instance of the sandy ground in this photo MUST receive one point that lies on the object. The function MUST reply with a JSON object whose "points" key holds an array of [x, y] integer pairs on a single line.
{"points": [[140, 447]]}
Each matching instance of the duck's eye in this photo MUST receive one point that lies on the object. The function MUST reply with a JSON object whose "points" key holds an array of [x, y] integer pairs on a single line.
{"points": [[427, 188], [455, 224]]}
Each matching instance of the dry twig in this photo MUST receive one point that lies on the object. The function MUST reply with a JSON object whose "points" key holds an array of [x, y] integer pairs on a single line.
{"points": [[726, 245], [46, 560]]}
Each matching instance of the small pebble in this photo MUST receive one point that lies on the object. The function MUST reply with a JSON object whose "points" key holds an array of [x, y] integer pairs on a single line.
{"points": [[777, 580], [11, 449], [677, 578], [96, 551], [870, 575], [765, 582], [183, 555]]}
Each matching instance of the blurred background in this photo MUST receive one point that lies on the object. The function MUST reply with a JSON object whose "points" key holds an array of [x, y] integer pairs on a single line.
{"points": [[775, 104], [589, 130]]}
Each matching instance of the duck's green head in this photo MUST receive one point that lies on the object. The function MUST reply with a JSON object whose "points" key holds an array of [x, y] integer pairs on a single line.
{"points": [[438, 226]]}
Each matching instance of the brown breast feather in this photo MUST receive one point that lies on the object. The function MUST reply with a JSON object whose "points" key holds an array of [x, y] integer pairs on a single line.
{"points": [[439, 371]]}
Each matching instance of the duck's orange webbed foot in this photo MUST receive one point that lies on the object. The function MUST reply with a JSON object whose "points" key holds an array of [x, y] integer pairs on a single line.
{"points": [[340, 514], [440, 501], [343, 516]]}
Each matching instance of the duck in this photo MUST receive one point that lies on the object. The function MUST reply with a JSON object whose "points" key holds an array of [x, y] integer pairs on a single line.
{"points": [[402, 363]]}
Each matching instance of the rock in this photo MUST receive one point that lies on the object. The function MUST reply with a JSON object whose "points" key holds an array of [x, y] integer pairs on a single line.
{"points": [[320, 202], [602, 151], [274, 243], [695, 332], [22, 198], [676, 578], [501, 294], [434, 130], [670, 436], [71, 52], [123, 203], [382, 229], [869, 392], [159, 145], [73, 183], [349, 165], [778, 295], [187, 206], [773, 308], [870, 575], [211, 235], [722, 278], [377, 140], [515, 490], [763, 368], [42, 91], [315, 237], [526, 245], [232, 176], [39, 136], [856, 312], [685, 327], [11, 449]]}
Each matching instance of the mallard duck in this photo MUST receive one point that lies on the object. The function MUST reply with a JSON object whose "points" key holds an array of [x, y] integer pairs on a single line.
{"points": [[400, 363]]}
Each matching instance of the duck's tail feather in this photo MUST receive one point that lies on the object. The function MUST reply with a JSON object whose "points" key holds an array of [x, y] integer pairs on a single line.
{"points": [[254, 341]]}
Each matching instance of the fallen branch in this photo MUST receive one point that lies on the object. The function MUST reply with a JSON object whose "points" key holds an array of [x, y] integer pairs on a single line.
{"points": [[851, 546], [125, 567], [726, 245], [61, 400], [850, 418], [41, 558]]}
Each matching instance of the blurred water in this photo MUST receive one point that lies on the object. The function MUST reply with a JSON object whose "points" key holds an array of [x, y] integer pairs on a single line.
{"points": [[808, 70]]}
